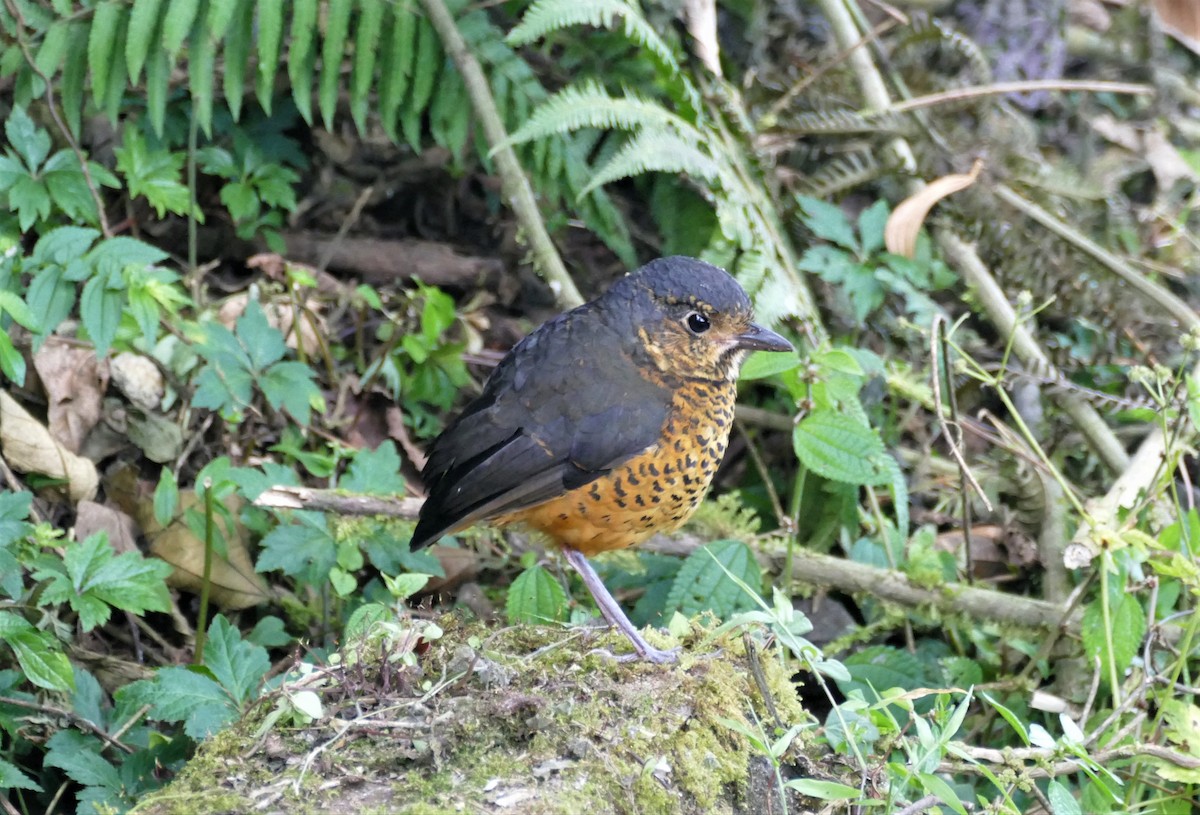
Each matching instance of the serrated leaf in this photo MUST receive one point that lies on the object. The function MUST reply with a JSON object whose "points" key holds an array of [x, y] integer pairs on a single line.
{"points": [[536, 597], [399, 49], [302, 55], [879, 668], [117, 78], [270, 38], [375, 472], [183, 695], [337, 28], [11, 778], [427, 67], [220, 14], [1128, 627], [368, 25], [828, 222], [703, 582], [158, 78], [1062, 802], [53, 48], [237, 53], [200, 58], [102, 41], [239, 666], [143, 23], [840, 448], [73, 77], [177, 25], [100, 308], [82, 765]]}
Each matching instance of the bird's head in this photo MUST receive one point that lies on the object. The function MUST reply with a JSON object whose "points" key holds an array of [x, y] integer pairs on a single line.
{"points": [[694, 320]]}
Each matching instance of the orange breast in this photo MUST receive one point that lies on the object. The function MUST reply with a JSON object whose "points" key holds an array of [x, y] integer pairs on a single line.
{"points": [[656, 491]]}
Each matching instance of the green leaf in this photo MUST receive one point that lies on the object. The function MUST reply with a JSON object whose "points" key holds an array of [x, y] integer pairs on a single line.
{"points": [[74, 76], [879, 668], [824, 790], [934, 785], [291, 386], [399, 48], [427, 67], [15, 307], [704, 581], [1062, 802], [871, 223], [153, 174], [827, 221], [41, 661], [270, 37], [166, 498], [100, 308], [11, 778], [840, 448], [158, 77], [762, 365], [1128, 627], [238, 665], [237, 53], [53, 48], [81, 764], [302, 55], [91, 578], [305, 549], [263, 342], [375, 472], [337, 28], [102, 41], [183, 695], [200, 59], [220, 14], [536, 597], [31, 142], [143, 23], [177, 25], [368, 27], [12, 361]]}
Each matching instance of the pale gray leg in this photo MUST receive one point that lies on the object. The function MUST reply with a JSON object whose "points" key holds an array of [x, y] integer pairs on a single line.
{"points": [[611, 609]]}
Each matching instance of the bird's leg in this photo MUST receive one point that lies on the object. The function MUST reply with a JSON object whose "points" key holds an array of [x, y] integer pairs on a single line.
{"points": [[612, 610]]}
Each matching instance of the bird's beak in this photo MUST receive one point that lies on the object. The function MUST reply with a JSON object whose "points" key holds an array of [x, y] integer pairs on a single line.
{"points": [[757, 338]]}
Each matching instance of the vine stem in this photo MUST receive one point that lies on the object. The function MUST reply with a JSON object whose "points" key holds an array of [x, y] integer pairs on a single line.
{"points": [[513, 181]]}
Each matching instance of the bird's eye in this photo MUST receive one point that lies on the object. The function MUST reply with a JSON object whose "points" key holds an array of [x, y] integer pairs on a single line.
{"points": [[697, 323]]}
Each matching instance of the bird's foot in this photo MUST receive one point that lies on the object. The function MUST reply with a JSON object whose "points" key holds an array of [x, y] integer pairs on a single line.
{"points": [[650, 654]]}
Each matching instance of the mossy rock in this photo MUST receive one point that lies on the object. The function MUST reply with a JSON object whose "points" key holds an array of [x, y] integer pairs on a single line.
{"points": [[525, 720]]}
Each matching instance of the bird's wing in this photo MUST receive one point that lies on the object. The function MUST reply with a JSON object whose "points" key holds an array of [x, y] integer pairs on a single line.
{"points": [[556, 414]]}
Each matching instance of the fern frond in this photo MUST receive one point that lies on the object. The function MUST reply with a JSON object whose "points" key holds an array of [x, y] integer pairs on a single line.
{"points": [[590, 105], [547, 16], [842, 174], [841, 123], [656, 151]]}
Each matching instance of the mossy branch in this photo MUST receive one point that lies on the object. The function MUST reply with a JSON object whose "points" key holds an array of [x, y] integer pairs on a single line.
{"points": [[513, 181]]}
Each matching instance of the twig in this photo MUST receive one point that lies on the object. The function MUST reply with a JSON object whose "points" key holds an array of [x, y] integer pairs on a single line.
{"points": [[1043, 769], [1026, 86], [919, 805], [75, 719], [954, 440], [281, 497], [512, 179]]}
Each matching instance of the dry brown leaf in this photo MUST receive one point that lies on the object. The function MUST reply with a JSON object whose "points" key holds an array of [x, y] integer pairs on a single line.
{"points": [[1149, 144], [233, 584], [29, 448], [906, 220], [460, 565], [1180, 19], [91, 518], [74, 380]]}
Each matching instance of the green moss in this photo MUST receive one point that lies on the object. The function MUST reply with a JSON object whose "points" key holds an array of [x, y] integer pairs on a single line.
{"points": [[531, 718]]}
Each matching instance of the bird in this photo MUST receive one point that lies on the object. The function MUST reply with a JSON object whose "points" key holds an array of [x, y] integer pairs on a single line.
{"points": [[605, 425]]}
